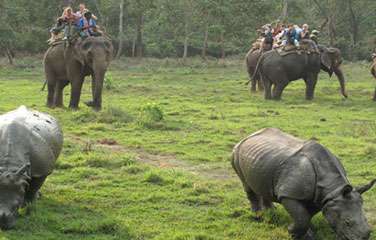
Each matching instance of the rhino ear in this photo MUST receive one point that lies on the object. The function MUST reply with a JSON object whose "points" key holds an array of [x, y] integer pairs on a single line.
{"points": [[365, 188], [347, 190]]}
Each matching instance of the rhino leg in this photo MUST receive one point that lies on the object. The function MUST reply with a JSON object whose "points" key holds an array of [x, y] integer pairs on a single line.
{"points": [[256, 201], [300, 229], [267, 204], [32, 192]]}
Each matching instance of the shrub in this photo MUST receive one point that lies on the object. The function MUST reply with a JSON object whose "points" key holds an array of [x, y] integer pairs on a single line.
{"points": [[109, 82], [150, 115]]}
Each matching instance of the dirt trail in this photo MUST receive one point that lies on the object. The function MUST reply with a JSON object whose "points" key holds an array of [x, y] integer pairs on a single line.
{"points": [[213, 171]]}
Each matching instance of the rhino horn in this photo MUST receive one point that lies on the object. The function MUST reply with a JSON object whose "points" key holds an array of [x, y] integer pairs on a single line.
{"points": [[23, 169], [366, 187]]}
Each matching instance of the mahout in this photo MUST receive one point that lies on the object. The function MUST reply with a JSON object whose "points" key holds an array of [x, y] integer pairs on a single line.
{"points": [[66, 63], [30, 143], [277, 67], [303, 176]]}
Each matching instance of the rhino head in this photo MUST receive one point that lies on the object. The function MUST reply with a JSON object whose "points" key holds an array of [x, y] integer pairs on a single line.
{"points": [[13, 186], [344, 212]]}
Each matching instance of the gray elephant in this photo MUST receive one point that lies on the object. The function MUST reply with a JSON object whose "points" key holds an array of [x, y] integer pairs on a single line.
{"points": [[277, 69], [30, 143], [373, 72], [70, 64], [251, 60], [305, 177]]}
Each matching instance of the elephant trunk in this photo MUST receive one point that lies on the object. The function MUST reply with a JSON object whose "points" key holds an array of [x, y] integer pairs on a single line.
{"points": [[341, 79], [97, 85]]}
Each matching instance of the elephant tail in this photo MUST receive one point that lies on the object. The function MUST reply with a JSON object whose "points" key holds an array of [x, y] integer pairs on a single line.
{"points": [[258, 70], [44, 86]]}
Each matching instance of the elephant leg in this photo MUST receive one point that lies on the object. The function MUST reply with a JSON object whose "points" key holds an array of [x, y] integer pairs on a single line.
{"points": [[260, 85], [60, 85], [310, 86], [76, 86], [253, 85], [278, 90], [50, 95], [300, 229], [374, 97], [267, 89]]}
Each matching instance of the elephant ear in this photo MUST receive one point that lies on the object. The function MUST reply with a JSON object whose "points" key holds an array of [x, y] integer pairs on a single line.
{"points": [[326, 62]]}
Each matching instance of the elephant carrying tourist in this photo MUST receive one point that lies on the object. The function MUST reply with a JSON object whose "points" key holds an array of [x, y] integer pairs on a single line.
{"points": [[278, 67], [251, 60], [30, 143], [70, 63], [303, 176], [373, 71]]}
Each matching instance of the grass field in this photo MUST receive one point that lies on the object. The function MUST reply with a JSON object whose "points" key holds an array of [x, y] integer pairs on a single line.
{"points": [[153, 164]]}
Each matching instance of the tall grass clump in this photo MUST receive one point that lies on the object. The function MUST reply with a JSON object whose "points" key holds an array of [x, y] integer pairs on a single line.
{"points": [[151, 115]]}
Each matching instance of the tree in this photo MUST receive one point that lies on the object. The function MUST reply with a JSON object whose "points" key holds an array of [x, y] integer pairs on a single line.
{"points": [[121, 32]]}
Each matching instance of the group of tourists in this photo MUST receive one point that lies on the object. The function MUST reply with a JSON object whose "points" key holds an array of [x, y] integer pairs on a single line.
{"points": [[283, 34], [83, 22]]}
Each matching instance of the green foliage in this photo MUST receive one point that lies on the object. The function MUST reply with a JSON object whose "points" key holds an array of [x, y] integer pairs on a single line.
{"points": [[150, 115], [164, 27]]}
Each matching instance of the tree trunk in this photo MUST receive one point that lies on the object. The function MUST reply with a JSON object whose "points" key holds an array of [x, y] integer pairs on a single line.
{"points": [[134, 47], [222, 41], [186, 41], [285, 10], [354, 29], [206, 37], [139, 39], [9, 54], [121, 32]]}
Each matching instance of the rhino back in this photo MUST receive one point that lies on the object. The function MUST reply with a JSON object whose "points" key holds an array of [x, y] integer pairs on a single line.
{"points": [[261, 158], [41, 136]]}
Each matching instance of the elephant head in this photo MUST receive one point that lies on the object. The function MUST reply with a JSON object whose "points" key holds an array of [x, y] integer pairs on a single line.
{"points": [[95, 54], [331, 61]]}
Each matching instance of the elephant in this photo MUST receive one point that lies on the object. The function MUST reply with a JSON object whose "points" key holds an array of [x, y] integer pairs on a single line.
{"points": [[373, 71], [275, 69], [251, 60], [69, 63]]}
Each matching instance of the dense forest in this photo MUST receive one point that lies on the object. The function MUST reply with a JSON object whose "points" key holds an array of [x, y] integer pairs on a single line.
{"points": [[183, 28]]}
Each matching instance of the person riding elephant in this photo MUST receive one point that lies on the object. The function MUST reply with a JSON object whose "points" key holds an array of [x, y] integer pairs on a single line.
{"points": [[278, 69], [70, 64]]}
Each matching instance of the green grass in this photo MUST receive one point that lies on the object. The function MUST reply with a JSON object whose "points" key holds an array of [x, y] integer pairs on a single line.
{"points": [[193, 113]]}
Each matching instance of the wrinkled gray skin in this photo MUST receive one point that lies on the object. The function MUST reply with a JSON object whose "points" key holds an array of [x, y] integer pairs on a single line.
{"points": [[305, 178], [278, 71], [70, 64], [30, 143]]}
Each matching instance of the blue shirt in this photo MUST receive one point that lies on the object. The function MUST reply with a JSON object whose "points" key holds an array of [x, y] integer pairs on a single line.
{"points": [[91, 25]]}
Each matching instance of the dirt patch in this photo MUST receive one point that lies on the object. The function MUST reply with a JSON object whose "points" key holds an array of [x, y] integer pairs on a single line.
{"points": [[214, 171]]}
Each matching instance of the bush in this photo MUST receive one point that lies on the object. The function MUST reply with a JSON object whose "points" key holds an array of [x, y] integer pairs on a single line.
{"points": [[109, 82], [150, 115]]}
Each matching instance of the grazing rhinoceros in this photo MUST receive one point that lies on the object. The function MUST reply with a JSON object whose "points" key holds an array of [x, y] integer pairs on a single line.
{"points": [[30, 143], [305, 178]]}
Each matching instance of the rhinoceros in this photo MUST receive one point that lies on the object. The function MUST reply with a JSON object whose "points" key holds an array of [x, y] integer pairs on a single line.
{"points": [[30, 143], [305, 177]]}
